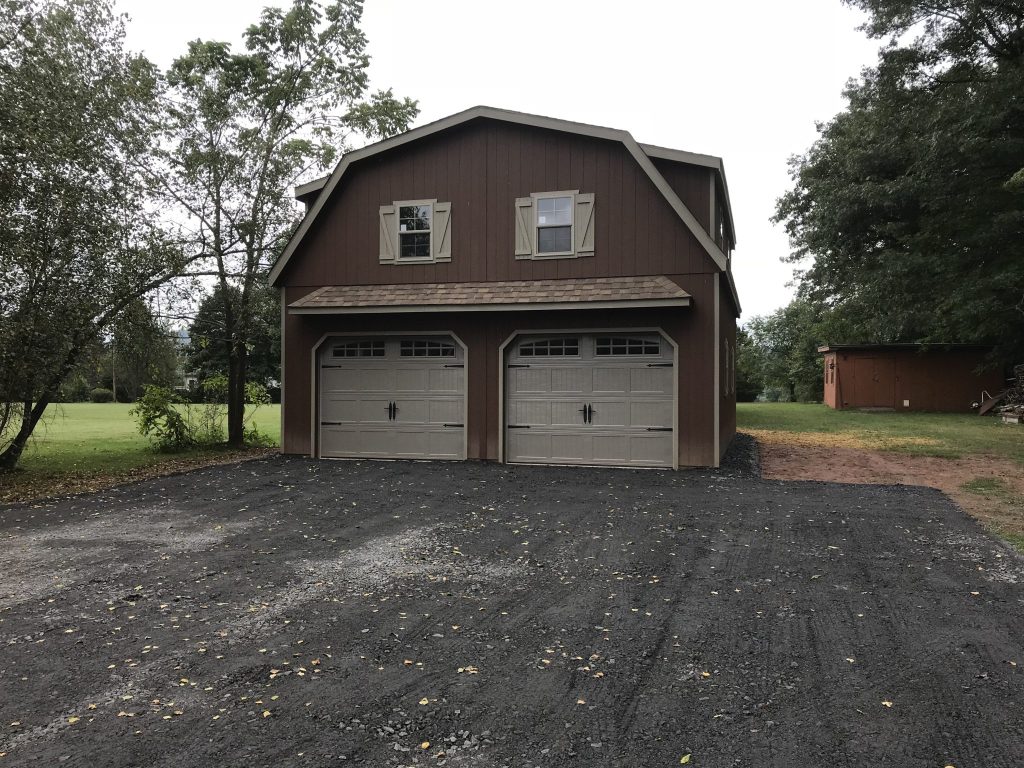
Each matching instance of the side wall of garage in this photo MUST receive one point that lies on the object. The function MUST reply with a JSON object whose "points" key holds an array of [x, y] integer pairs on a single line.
{"points": [[692, 328], [726, 366]]}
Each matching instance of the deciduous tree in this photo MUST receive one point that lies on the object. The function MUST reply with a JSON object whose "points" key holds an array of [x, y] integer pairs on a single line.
{"points": [[245, 126], [79, 241]]}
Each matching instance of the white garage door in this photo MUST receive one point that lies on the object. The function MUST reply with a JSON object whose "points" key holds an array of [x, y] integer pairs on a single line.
{"points": [[394, 397], [590, 399]]}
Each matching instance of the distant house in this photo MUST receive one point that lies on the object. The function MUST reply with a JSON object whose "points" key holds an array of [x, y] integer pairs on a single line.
{"points": [[515, 288], [907, 377], [186, 380]]}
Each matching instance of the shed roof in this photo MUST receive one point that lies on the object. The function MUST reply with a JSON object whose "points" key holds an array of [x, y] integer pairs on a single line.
{"points": [[903, 347], [505, 295]]}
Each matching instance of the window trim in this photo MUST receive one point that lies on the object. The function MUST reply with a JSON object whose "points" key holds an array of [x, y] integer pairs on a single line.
{"points": [[429, 259], [535, 197]]}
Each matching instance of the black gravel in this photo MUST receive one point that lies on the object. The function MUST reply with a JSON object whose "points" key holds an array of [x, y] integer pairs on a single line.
{"points": [[284, 612]]}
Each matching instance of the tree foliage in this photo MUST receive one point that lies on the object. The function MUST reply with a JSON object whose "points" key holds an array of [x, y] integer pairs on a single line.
{"points": [[209, 348], [907, 214], [79, 241], [244, 126]]}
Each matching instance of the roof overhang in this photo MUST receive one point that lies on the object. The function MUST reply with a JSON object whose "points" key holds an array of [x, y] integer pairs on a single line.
{"points": [[491, 307], [904, 347], [519, 118], [503, 296]]}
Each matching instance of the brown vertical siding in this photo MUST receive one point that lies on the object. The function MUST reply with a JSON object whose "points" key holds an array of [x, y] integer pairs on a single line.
{"points": [[727, 334], [481, 167], [936, 380], [693, 184]]}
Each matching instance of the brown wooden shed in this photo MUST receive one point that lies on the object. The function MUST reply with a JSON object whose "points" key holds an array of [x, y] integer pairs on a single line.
{"points": [[509, 287], [908, 377]]}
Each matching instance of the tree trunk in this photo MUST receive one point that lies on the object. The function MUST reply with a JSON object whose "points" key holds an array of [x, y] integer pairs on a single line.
{"points": [[236, 393], [30, 417]]}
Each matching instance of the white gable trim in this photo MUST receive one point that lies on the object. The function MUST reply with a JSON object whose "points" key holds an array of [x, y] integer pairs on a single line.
{"points": [[507, 116]]}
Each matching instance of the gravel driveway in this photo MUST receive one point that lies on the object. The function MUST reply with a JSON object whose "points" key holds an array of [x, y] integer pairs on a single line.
{"points": [[285, 612]]}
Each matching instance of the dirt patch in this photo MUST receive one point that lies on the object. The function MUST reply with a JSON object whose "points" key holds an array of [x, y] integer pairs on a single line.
{"points": [[812, 456]]}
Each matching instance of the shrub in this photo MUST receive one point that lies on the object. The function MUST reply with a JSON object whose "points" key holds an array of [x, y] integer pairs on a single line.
{"points": [[161, 421], [101, 395], [75, 390]]}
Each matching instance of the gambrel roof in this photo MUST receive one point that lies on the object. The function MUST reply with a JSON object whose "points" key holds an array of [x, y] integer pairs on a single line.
{"points": [[642, 154]]}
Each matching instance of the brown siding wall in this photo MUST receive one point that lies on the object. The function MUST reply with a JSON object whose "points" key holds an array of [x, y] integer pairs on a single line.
{"points": [[727, 341], [483, 334], [932, 381], [693, 185], [481, 167]]}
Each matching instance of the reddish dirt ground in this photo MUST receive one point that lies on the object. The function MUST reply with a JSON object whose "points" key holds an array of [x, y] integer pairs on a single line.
{"points": [[783, 459]]}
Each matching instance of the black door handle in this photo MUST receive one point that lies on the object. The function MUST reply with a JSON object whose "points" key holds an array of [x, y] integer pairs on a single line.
{"points": [[590, 414], [583, 410]]}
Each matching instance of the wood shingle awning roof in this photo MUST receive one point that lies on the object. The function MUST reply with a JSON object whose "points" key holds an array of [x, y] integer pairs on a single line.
{"points": [[505, 295]]}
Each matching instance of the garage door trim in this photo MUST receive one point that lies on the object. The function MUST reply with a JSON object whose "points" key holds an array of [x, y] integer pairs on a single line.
{"points": [[502, 355], [314, 415]]}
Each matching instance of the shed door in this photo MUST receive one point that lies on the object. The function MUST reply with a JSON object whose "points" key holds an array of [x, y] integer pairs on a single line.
{"points": [[394, 397], [590, 399], [874, 382]]}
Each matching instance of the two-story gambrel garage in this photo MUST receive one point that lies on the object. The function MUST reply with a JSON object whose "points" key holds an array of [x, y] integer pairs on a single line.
{"points": [[509, 287]]}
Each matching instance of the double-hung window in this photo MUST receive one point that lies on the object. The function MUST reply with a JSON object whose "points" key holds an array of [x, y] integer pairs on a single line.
{"points": [[556, 225], [415, 232]]}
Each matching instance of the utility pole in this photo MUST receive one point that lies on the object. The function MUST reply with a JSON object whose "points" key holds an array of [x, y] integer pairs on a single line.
{"points": [[113, 366]]}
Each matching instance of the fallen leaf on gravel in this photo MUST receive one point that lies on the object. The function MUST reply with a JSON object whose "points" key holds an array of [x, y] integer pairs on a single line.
{"points": [[73, 720], [975, 593], [580, 701], [425, 745], [424, 701], [850, 659], [266, 713], [408, 662], [886, 703], [684, 759]]}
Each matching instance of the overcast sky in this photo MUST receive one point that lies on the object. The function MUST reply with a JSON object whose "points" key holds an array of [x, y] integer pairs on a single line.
{"points": [[742, 79]]}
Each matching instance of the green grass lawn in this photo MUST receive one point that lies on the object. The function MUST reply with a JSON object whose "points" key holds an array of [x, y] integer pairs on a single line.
{"points": [[82, 439], [948, 435]]}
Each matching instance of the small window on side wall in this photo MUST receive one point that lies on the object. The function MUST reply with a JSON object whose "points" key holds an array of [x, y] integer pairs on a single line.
{"points": [[415, 232], [554, 225]]}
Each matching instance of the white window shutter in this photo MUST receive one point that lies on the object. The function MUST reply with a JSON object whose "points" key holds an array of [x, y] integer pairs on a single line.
{"points": [[524, 227], [441, 236], [584, 224], [388, 234]]}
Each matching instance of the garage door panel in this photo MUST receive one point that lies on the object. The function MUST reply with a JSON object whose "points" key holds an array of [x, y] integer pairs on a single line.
{"points": [[611, 380], [652, 380], [569, 447], [529, 412], [447, 380], [566, 413], [609, 413], [444, 411], [525, 380], [650, 413], [412, 380], [653, 449], [354, 410], [529, 446], [446, 444], [569, 380]]}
